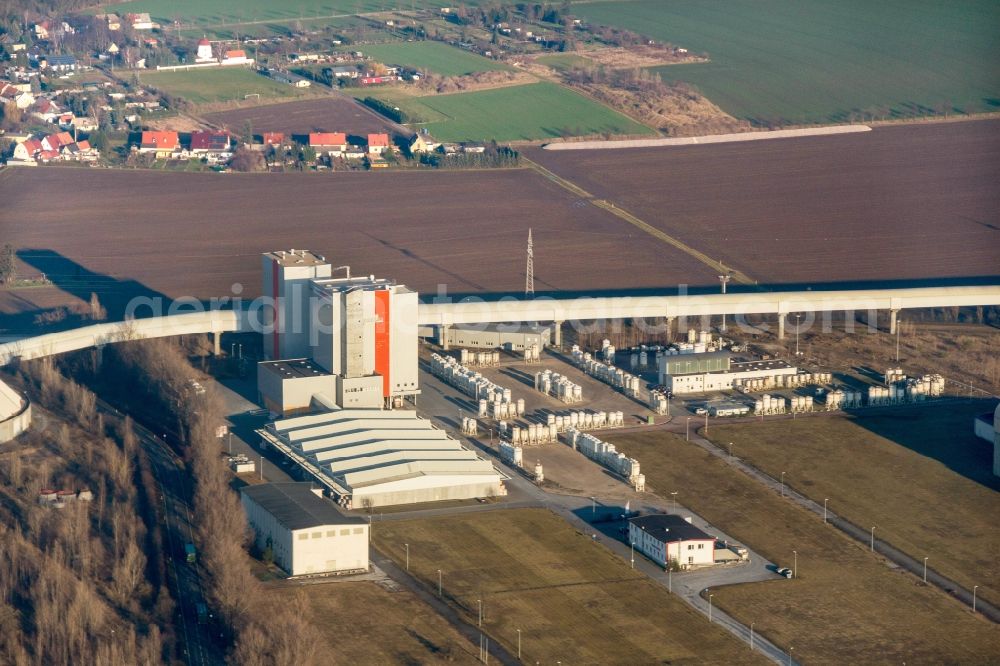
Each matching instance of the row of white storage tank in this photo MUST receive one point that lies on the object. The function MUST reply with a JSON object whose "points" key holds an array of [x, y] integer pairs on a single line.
{"points": [[752, 385], [468, 381], [498, 409], [470, 426], [479, 358], [586, 420], [605, 454], [630, 384], [842, 398], [531, 434], [910, 390], [532, 354], [770, 404], [559, 386], [659, 403], [511, 454]]}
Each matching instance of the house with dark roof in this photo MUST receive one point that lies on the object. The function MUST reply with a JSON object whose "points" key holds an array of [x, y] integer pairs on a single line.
{"points": [[304, 532], [60, 63], [667, 538], [209, 143]]}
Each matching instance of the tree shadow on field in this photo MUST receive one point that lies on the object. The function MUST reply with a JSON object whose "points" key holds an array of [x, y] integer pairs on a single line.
{"points": [[80, 282], [941, 432]]}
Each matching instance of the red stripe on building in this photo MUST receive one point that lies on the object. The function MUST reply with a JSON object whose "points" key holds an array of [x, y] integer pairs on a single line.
{"points": [[382, 338], [277, 300]]}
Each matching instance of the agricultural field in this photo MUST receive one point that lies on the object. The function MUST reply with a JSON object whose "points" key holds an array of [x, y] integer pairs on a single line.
{"points": [[220, 84], [221, 12], [335, 113], [925, 480], [365, 623], [198, 234], [573, 600], [433, 57], [775, 61], [916, 202], [845, 605], [515, 113]]}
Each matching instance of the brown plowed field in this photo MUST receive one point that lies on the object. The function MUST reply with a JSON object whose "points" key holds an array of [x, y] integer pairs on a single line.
{"points": [[328, 114], [197, 234], [901, 202]]}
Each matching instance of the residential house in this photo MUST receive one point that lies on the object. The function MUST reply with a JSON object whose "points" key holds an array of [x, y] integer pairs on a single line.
{"points": [[56, 142], [59, 63], [371, 79], [273, 138], [666, 539], [210, 144], [140, 21], [114, 22], [25, 151], [162, 144], [422, 143], [236, 57], [41, 30], [473, 148], [378, 143], [45, 109], [328, 143], [81, 151], [83, 124], [354, 153], [344, 72], [15, 95], [289, 78]]}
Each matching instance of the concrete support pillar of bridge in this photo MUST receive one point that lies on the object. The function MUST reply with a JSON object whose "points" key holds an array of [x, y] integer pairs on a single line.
{"points": [[670, 328], [217, 343], [892, 321], [557, 334], [443, 335], [781, 325]]}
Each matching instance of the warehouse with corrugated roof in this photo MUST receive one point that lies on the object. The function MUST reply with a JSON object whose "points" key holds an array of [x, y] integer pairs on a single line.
{"points": [[372, 458]]}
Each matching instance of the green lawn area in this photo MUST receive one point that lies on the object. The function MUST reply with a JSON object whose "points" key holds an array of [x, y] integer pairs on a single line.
{"points": [[573, 600], [515, 113], [432, 56], [563, 61], [845, 606], [821, 61], [897, 472], [199, 86]]}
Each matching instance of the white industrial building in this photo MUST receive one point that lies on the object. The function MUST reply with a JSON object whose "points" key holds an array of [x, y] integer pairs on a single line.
{"points": [[306, 533], [15, 413], [510, 337], [371, 458], [362, 331], [715, 371], [666, 538], [288, 387], [987, 426]]}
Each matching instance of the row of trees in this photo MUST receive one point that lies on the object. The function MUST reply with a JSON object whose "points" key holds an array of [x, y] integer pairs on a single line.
{"points": [[261, 630], [76, 583]]}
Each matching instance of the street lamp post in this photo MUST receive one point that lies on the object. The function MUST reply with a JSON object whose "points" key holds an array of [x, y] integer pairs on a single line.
{"points": [[439, 583], [673, 496], [974, 588], [751, 636], [518, 643], [687, 430], [480, 602], [925, 569], [593, 506], [798, 317], [730, 450], [897, 340], [632, 555], [782, 484], [407, 556], [873, 539], [790, 651], [795, 564], [710, 607], [825, 500]]}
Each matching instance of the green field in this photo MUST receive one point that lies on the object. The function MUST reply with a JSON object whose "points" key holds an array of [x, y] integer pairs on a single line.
{"points": [[573, 600], [911, 469], [217, 12], [821, 61], [515, 113], [218, 84], [845, 606], [432, 56]]}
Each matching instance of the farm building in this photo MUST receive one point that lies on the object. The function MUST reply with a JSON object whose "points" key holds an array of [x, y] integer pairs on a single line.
{"points": [[380, 458], [378, 143], [666, 538], [162, 144], [207, 142], [511, 337], [289, 78], [306, 533]]}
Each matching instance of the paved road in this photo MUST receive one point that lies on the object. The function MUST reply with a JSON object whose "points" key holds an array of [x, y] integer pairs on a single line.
{"points": [[860, 534]]}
